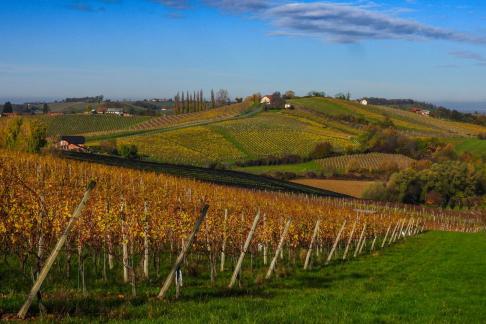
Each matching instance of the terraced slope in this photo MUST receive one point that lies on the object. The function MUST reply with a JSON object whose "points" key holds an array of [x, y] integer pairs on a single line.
{"points": [[82, 124], [336, 165], [209, 115], [408, 122], [370, 161], [270, 133]]}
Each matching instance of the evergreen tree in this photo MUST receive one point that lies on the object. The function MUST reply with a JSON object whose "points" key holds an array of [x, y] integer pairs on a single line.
{"points": [[194, 103], [187, 102], [36, 137], [201, 96], [213, 100], [176, 103], [8, 108], [183, 104], [12, 133]]}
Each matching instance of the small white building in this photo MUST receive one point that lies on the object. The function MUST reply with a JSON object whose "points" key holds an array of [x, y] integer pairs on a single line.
{"points": [[425, 112], [288, 106], [115, 111], [364, 102], [266, 100]]}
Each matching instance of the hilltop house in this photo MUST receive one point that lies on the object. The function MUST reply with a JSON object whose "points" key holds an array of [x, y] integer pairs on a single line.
{"points": [[115, 111], [72, 143], [266, 100], [419, 111]]}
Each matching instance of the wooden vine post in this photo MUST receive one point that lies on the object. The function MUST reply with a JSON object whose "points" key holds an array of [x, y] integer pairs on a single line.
{"points": [[265, 243], [185, 249], [373, 243], [55, 252], [360, 240], [401, 233], [225, 237], [386, 236], [279, 248], [311, 245], [336, 242], [145, 242], [349, 240], [393, 234], [124, 243], [243, 251]]}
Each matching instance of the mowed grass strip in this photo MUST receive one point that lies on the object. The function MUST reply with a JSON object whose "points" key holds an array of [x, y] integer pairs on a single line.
{"points": [[436, 277], [474, 146]]}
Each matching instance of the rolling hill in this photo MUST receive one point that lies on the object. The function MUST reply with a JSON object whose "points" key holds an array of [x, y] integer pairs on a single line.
{"points": [[230, 135], [268, 133], [242, 132]]}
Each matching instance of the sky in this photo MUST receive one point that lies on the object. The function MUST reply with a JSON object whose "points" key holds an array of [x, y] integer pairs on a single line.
{"points": [[426, 50]]}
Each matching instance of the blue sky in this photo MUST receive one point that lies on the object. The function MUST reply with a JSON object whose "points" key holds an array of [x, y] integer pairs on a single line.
{"points": [[428, 50]]}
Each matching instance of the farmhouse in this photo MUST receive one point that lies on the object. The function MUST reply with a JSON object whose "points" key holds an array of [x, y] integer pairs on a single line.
{"points": [[420, 111], [364, 102], [115, 111], [266, 100], [72, 143]]}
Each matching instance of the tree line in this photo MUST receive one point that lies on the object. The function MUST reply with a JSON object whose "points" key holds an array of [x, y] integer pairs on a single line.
{"points": [[435, 111], [9, 108], [186, 102]]}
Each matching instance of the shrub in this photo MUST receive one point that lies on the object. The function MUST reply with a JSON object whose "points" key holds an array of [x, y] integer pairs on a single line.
{"points": [[353, 166], [322, 150], [376, 191], [109, 146], [128, 151], [388, 167], [311, 175]]}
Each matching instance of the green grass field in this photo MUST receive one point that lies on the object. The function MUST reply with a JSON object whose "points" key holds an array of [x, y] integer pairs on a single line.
{"points": [[434, 278], [474, 146]]}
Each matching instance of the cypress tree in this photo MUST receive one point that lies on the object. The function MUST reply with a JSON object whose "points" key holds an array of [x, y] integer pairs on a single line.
{"points": [[8, 108], [182, 104], [188, 102], [213, 101]]}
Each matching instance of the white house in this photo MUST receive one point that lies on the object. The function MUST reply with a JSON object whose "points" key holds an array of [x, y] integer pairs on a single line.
{"points": [[115, 111], [288, 106], [266, 100], [364, 102]]}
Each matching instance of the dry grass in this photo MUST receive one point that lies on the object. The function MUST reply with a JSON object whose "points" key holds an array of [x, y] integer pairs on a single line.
{"points": [[352, 188]]}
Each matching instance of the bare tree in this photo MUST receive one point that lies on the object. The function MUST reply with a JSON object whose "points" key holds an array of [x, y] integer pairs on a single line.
{"points": [[222, 97]]}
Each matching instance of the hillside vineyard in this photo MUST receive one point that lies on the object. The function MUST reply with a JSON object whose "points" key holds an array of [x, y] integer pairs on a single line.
{"points": [[148, 215]]}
